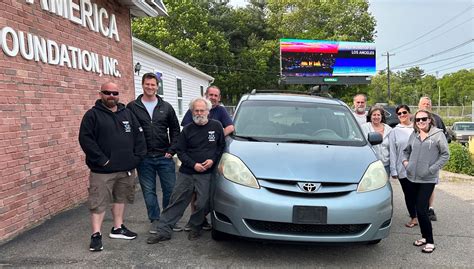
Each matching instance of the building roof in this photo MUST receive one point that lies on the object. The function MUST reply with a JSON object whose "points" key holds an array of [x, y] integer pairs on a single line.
{"points": [[145, 47], [145, 8]]}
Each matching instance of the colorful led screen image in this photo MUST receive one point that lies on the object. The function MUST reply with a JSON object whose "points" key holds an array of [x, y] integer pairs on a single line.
{"points": [[320, 58]]}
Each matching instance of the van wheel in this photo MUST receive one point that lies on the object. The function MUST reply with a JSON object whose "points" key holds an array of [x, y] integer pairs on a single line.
{"points": [[219, 236]]}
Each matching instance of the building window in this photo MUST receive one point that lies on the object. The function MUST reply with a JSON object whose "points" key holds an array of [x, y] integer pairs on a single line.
{"points": [[179, 87], [202, 90], [179, 90], [159, 75]]}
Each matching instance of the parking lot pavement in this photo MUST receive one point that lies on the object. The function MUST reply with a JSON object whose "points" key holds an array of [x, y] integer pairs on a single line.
{"points": [[63, 241]]}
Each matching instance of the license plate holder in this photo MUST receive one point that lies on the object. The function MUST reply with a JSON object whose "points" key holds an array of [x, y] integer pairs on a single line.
{"points": [[310, 214]]}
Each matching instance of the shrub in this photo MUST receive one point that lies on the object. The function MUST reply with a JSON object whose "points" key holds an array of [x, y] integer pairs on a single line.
{"points": [[450, 121], [460, 160]]}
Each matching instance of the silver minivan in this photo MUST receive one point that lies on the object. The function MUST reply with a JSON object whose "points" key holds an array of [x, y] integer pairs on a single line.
{"points": [[298, 168]]}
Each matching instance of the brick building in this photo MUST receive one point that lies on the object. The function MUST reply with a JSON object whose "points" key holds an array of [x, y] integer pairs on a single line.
{"points": [[54, 55]]}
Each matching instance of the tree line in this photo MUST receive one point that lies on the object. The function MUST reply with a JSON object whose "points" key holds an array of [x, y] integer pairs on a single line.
{"points": [[239, 47]]}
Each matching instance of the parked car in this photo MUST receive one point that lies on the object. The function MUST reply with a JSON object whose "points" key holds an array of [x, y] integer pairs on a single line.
{"points": [[391, 117], [298, 168], [461, 131]]}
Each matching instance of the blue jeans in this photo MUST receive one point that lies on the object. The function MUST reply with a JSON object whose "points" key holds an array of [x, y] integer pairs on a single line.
{"points": [[148, 168]]}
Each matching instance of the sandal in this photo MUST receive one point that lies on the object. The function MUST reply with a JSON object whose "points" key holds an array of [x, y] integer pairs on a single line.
{"points": [[419, 242], [411, 224], [429, 248]]}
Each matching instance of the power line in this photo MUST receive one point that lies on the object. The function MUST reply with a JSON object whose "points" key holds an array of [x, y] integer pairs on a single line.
{"points": [[441, 60], [230, 68], [444, 65], [436, 54], [434, 71], [435, 36], [434, 29]]}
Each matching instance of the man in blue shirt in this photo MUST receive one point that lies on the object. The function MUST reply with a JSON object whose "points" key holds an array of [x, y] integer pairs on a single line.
{"points": [[218, 112]]}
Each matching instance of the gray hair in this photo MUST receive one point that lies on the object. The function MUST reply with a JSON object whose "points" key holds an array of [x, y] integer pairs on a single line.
{"points": [[424, 98], [202, 99]]}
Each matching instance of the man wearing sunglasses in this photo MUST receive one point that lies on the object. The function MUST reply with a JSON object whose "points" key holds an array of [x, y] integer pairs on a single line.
{"points": [[113, 142], [161, 128]]}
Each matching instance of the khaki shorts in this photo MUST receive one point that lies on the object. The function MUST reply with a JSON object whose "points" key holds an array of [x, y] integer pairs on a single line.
{"points": [[110, 188]]}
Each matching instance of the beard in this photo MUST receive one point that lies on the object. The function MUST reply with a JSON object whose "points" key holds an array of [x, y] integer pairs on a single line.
{"points": [[200, 120], [110, 103], [360, 110]]}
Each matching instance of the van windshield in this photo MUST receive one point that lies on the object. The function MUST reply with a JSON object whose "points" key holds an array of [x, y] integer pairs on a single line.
{"points": [[305, 122]]}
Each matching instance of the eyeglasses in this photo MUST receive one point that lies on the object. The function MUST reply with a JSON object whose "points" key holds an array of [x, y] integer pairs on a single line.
{"points": [[113, 93], [402, 112], [421, 119]]}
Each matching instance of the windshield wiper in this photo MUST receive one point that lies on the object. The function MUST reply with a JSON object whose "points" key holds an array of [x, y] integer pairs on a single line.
{"points": [[249, 138], [307, 141]]}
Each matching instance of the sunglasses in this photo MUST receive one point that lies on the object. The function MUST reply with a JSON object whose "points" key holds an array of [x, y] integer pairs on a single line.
{"points": [[113, 93], [402, 113], [421, 119]]}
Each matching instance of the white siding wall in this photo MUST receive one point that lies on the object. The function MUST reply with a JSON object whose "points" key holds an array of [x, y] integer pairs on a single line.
{"points": [[191, 81]]}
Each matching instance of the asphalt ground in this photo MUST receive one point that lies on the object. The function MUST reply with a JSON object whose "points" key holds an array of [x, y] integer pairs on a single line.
{"points": [[63, 242]]}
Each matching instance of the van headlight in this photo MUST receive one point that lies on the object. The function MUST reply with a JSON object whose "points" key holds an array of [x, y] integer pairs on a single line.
{"points": [[233, 169], [375, 177]]}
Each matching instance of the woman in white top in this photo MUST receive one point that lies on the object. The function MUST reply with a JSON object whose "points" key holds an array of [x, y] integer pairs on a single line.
{"points": [[398, 141], [376, 123]]}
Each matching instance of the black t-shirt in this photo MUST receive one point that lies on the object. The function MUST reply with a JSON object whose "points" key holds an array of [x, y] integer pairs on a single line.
{"points": [[198, 143]]}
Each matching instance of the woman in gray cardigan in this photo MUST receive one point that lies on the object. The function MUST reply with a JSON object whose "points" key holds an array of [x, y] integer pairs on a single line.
{"points": [[426, 153], [398, 141]]}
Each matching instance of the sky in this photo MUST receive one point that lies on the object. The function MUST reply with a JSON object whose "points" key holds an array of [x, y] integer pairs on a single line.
{"points": [[436, 35]]}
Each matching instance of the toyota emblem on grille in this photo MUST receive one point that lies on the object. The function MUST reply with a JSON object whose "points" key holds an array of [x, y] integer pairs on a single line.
{"points": [[309, 186]]}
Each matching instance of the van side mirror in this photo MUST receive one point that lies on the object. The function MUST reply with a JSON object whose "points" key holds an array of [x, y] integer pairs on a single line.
{"points": [[374, 138]]}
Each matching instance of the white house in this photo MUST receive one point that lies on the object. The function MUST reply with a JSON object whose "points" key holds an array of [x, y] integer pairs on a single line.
{"points": [[180, 82]]}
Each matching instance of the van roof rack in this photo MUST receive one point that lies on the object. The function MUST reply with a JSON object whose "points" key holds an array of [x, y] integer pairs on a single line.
{"points": [[313, 92], [255, 91]]}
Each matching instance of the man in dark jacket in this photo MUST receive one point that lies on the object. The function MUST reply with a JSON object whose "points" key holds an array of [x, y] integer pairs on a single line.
{"points": [[113, 142], [161, 128], [200, 147]]}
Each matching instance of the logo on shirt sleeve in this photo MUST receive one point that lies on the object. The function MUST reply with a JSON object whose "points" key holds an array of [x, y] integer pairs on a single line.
{"points": [[211, 136], [126, 126]]}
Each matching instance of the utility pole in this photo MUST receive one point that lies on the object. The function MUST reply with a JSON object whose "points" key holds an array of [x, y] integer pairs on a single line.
{"points": [[439, 92], [388, 73]]}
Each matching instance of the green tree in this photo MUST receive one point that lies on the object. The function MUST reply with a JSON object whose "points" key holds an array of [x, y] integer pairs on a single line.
{"points": [[240, 47], [457, 88]]}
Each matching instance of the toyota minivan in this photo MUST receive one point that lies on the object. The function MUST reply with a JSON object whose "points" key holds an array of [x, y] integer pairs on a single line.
{"points": [[298, 168]]}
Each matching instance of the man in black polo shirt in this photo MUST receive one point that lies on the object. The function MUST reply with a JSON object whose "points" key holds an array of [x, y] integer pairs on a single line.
{"points": [[199, 147]]}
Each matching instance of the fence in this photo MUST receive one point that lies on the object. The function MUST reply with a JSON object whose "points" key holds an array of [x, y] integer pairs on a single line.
{"points": [[450, 111]]}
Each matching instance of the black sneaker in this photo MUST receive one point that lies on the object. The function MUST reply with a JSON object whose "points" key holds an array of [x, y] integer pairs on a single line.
{"points": [[96, 242], [187, 228], [177, 228], [206, 226], [122, 233], [193, 235], [432, 215]]}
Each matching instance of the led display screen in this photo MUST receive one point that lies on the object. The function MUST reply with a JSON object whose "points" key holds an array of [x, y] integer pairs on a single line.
{"points": [[321, 58]]}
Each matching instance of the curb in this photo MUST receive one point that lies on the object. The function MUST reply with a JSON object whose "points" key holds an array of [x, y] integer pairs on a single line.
{"points": [[454, 177]]}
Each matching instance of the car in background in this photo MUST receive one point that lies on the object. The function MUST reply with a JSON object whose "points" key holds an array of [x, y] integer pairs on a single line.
{"points": [[461, 131], [391, 117], [298, 168]]}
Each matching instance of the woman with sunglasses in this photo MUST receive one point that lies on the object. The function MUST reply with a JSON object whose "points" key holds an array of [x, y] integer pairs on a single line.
{"points": [[398, 141], [426, 153], [376, 123]]}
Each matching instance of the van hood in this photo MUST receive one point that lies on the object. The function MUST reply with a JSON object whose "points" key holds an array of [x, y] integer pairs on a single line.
{"points": [[303, 162]]}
